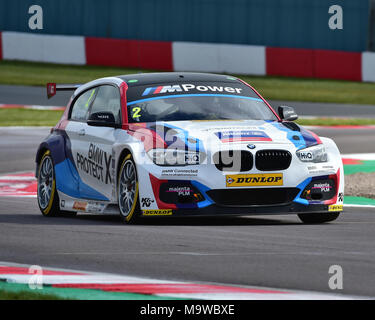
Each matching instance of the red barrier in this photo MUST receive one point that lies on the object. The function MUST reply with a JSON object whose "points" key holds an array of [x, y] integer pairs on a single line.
{"points": [[310, 63], [129, 53], [338, 65], [289, 62]]}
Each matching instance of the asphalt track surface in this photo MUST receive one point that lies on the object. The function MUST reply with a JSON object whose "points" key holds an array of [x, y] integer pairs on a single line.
{"points": [[276, 251], [270, 251]]}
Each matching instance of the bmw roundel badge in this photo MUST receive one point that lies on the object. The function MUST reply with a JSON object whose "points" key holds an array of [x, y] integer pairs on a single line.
{"points": [[251, 146]]}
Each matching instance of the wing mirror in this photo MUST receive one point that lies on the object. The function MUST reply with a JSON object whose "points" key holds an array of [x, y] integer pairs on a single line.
{"points": [[287, 113], [103, 119]]}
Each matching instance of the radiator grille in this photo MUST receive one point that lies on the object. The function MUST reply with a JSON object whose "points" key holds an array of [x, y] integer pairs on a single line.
{"points": [[233, 160], [253, 197], [272, 160]]}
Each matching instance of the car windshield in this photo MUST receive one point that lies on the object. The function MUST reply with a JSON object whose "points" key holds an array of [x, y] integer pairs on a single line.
{"points": [[229, 105]]}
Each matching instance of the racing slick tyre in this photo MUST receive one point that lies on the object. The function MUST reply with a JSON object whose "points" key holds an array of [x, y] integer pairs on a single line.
{"points": [[127, 186], [312, 218], [48, 199]]}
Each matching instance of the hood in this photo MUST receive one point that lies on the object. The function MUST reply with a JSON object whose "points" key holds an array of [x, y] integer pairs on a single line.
{"points": [[197, 134]]}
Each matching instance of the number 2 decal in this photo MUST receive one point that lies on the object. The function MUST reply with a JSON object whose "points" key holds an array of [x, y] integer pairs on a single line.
{"points": [[136, 111]]}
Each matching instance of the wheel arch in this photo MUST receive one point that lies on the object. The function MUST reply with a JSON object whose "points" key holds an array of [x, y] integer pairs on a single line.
{"points": [[43, 147], [123, 153]]}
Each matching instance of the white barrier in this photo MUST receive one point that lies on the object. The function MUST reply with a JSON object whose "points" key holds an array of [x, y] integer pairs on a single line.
{"points": [[212, 57], [43, 48], [187, 56], [368, 66]]}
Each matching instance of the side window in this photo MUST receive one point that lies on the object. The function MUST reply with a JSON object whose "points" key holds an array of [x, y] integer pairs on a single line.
{"points": [[82, 105], [108, 99]]}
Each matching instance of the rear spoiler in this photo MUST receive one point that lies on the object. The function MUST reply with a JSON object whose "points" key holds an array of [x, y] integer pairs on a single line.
{"points": [[53, 87]]}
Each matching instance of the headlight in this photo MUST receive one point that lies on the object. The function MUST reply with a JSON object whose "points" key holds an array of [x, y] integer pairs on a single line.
{"points": [[174, 157], [313, 154]]}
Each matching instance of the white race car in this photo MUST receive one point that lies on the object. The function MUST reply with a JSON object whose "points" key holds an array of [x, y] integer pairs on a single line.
{"points": [[184, 144]]}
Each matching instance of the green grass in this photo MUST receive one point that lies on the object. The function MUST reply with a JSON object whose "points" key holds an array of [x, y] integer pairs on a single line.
{"points": [[26, 295], [38, 74], [19, 291], [15, 291], [274, 88], [313, 90], [336, 122], [24, 117]]}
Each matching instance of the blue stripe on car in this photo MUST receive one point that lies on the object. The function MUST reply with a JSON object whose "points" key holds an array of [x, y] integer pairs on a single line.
{"points": [[302, 187], [300, 143], [203, 189], [194, 95], [69, 182]]}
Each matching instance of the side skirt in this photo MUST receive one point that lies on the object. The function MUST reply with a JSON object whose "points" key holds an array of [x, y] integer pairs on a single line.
{"points": [[68, 203]]}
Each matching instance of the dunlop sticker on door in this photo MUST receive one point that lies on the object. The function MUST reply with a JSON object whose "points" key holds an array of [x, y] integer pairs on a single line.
{"points": [[254, 180]]}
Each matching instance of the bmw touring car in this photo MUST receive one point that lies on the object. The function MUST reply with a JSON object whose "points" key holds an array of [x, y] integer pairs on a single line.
{"points": [[184, 144]]}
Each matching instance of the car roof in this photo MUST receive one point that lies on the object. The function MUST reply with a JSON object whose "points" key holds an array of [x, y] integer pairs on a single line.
{"points": [[170, 77], [139, 79]]}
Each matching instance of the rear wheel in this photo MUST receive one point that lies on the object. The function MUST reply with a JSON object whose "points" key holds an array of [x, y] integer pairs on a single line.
{"points": [[312, 218], [48, 198], [127, 187]]}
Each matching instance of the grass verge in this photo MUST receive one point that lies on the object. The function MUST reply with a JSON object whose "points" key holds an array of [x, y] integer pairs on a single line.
{"points": [[27, 117], [336, 122], [26, 295], [19, 291], [13, 291], [274, 88]]}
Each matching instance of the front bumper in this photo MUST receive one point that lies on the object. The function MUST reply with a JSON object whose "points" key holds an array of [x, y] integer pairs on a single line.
{"points": [[216, 210], [189, 198], [207, 190]]}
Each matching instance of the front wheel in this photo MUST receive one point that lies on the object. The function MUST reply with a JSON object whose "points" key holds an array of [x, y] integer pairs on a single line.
{"points": [[312, 218], [127, 187]]}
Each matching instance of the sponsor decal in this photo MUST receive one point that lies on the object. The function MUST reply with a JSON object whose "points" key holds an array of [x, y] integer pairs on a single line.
{"points": [[164, 212], [96, 207], [321, 169], [230, 180], [319, 190], [146, 202], [181, 191], [80, 205], [340, 197], [244, 135], [232, 128], [324, 187], [335, 207], [62, 203], [306, 156], [96, 164], [179, 172], [254, 180], [189, 87]]}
